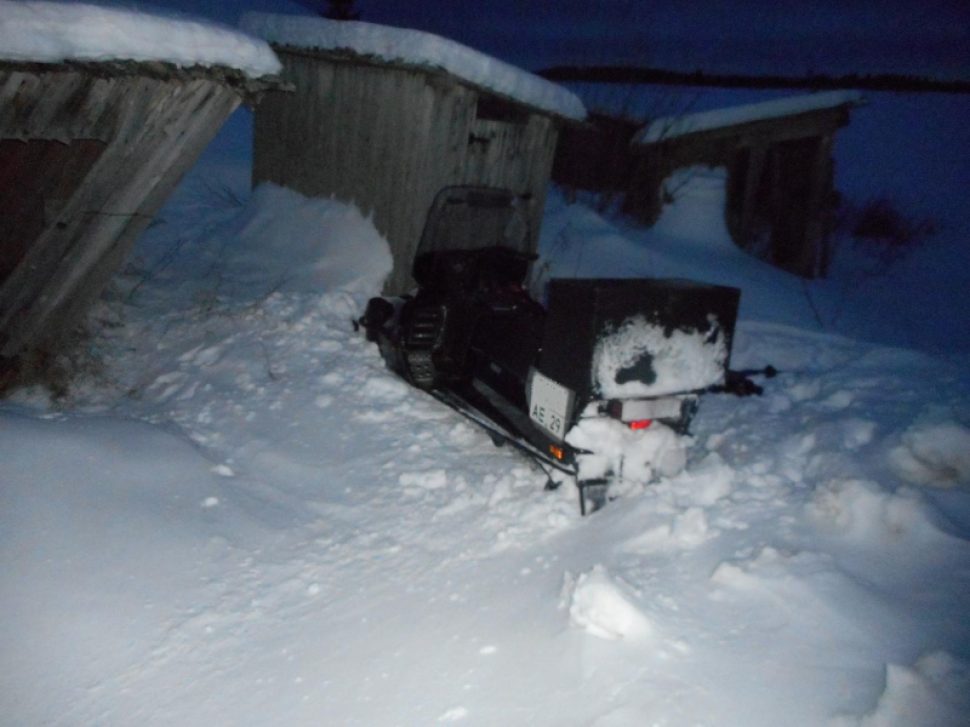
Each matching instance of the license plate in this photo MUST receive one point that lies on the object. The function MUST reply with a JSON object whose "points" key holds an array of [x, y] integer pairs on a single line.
{"points": [[668, 407], [550, 405]]}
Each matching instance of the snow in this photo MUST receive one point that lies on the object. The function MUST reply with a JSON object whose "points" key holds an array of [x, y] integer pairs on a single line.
{"points": [[679, 360], [603, 607], [669, 127], [324, 245], [690, 240], [931, 692], [416, 48], [934, 454], [636, 455], [52, 32], [239, 516]]}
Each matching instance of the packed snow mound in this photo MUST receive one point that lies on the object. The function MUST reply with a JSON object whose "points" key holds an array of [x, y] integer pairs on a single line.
{"points": [[604, 607], [864, 511], [932, 693], [51, 32], [308, 244], [667, 362], [275, 241], [639, 455], [416, 48], [934, 454]]}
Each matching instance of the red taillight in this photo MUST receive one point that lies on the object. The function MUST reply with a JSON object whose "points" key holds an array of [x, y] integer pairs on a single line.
{"points": [[640, 424]]}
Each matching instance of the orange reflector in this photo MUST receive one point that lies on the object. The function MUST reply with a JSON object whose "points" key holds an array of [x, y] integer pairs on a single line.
{"points": [[556, 452], [640, 423]]}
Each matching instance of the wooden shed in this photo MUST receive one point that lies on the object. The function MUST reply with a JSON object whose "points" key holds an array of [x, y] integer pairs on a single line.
{"points": [[387, 117], [88, 153], [596, 156], [778, 154]]}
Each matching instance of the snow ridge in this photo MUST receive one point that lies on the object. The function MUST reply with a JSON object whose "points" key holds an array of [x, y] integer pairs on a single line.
{"points": [[418, 48], [51, 32]]}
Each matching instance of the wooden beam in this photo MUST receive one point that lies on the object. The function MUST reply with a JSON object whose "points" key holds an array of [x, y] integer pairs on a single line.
{"points": [[749, 197], [158, 128], [819, 220]]}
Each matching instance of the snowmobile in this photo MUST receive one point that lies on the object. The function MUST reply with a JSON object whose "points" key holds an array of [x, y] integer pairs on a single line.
{"points": [[599, 380]]}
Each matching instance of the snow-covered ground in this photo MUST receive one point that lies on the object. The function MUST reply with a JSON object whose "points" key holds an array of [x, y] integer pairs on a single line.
{"points": [[240, 517]]}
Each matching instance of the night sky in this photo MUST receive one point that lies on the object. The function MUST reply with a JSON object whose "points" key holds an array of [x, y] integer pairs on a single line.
{"points": [[931, 37]]}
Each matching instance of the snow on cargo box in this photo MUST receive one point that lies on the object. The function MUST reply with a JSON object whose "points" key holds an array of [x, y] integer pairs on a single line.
{"points": [[637, 338]]}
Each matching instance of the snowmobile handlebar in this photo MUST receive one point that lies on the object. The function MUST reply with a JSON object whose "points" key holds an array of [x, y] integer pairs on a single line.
{"points": [[739, 383]]}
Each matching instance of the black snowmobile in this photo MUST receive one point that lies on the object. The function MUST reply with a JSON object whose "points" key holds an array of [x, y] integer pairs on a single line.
{"points": [[595, 381]]}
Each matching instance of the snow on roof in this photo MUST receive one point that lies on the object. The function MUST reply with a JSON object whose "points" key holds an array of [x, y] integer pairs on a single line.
{"points": [[418, 48], [52, 32], [672, 126]]}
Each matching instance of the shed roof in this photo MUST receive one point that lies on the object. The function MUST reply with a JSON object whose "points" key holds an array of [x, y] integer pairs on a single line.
{"points": [[39, 31], [416, 48], [669, 127]]}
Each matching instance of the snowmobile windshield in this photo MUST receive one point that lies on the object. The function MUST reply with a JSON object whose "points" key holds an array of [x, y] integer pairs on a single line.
{"points": [[472, 218]]}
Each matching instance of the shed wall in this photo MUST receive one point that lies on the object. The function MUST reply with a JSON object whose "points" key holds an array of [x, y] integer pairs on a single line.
{"points": [[780, 183], [148, 130], [388, 139]]}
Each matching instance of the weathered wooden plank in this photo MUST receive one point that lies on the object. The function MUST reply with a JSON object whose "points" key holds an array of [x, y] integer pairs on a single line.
{"points": [[753, 177], [158, 126], [823, 204]]}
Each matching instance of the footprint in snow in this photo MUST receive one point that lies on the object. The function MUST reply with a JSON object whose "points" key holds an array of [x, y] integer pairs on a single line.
{"points": [[207, 356], [455, 714], [838, 400], [327, 346], [429, 480], [384, 389], [332, 379]]}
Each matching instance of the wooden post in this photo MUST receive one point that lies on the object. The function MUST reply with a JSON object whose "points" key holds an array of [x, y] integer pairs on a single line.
{"points": [[819, 212], [750, 197]]}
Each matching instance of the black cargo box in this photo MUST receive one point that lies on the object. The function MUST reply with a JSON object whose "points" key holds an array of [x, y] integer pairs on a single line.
{"points": [[581, 312]]}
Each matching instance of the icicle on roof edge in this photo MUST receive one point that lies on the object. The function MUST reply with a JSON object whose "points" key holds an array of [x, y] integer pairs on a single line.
{"points": [[40, 31], [416, 48], [670, 127]]}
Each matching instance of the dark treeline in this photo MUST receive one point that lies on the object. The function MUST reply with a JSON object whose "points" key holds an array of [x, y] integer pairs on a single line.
{"points": [[639, 74], [333, 9]]}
